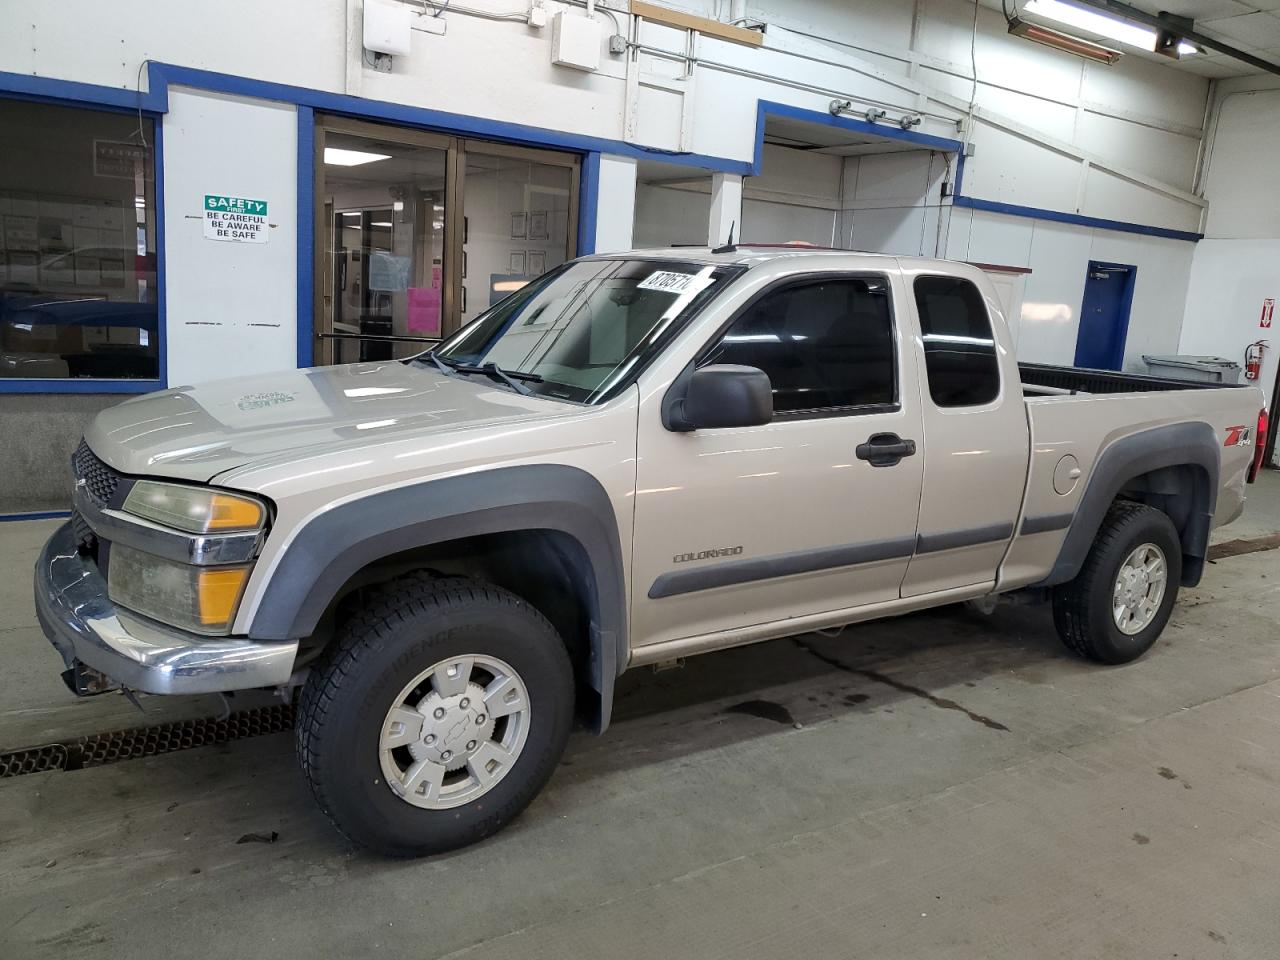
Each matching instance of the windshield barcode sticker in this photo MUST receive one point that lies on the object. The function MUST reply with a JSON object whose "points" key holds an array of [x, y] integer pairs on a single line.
{"points": [[667, 281]]}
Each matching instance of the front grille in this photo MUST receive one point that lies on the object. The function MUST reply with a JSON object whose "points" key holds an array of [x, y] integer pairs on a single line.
{"points": [[100, 480], [85, 537]]}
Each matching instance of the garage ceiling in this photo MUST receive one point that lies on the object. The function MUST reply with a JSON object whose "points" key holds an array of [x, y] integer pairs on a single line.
{"points": [[786, 132], [1250, 25]]}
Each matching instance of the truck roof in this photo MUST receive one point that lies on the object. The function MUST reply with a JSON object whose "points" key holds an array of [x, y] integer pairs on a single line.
{"points": [[750, 254]]}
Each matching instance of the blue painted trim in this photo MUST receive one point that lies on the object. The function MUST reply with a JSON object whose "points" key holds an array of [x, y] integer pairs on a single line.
{"points": [[79, 94], [958, 187], [163, 75], [34, 515], [162, 310], [1038, 213], [80, 385], [306, 234], [588, 204]]}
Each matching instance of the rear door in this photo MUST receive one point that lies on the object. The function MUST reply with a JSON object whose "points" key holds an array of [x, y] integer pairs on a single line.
{"points": [[743, 527], [975, 429]]}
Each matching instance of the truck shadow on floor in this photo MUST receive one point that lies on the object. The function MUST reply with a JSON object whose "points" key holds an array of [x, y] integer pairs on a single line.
{"points": [[721, 698], [951, 659]]}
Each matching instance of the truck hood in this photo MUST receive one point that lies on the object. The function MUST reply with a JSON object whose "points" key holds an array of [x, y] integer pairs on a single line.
{"points": [[196, 433]]}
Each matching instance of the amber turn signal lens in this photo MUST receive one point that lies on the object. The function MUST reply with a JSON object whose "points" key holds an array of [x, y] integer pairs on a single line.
{"points": [[219, 593], [234, 513]]}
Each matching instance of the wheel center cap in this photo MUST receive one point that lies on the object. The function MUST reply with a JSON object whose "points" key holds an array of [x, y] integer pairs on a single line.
{"points": [[453, 728]]}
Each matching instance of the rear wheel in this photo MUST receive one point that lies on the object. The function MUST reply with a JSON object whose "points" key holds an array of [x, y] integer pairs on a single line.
{"points": [[1118, 604], [440, 713]]}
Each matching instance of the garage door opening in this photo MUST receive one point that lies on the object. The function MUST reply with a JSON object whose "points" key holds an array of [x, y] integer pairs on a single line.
{"points": [[830, 186]]}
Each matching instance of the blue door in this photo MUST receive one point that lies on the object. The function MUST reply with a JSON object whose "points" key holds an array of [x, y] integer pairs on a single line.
{"points": [[1104, 315]]}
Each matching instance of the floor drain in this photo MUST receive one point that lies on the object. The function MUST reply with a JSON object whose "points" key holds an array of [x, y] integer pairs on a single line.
{"points": [[97, 749]]}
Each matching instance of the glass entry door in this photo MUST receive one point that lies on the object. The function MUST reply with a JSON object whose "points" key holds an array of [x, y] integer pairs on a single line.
{"points": [[417, 233]]}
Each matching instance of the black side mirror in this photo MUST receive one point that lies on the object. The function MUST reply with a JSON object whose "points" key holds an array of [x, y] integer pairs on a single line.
{"points": [[719, 395]]}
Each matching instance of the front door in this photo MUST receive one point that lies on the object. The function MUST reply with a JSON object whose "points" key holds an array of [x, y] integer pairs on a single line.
{"points": [[749, 526], [1104, 315]]}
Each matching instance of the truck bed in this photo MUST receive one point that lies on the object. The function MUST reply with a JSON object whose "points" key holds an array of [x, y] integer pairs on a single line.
{"points": [[1045, 380], [1074, 415]]}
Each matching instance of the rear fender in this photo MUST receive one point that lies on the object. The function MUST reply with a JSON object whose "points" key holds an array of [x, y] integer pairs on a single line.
{"points": [[1174, 467]]}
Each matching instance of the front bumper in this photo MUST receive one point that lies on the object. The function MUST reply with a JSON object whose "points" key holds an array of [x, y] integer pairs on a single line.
{"points": [[89, 630]]}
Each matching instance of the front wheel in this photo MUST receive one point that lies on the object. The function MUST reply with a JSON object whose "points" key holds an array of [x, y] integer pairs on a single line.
{"points": [[1118, 604], [438, 716]]}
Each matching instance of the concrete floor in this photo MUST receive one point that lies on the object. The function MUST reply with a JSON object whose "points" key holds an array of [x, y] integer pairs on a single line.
{"points": [[941, 785]]}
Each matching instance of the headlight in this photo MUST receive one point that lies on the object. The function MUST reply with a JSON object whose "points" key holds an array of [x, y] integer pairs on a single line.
{"points": [[200, 599], [194, 509]]}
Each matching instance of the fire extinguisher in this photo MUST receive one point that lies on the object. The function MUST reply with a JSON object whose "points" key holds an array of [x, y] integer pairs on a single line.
{"points": [[1253, 359]]}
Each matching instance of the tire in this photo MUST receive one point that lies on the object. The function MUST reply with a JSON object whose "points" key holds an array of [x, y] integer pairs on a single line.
{"points": [[352, 748], [1085, 609]]}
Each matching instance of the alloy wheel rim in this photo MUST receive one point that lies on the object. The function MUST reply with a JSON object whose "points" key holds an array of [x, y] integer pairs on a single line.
{"points": [[1139, 589], [454, 731]]}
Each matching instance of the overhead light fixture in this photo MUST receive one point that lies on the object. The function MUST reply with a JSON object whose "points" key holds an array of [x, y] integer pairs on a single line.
{"points": [[380, 223], [1062, 41], [1111, 28], [352, 213], [337, 157]]}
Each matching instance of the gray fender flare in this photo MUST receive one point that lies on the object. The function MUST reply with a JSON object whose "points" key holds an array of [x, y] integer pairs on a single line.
{"points": [[337, 543], [1192, 445]]}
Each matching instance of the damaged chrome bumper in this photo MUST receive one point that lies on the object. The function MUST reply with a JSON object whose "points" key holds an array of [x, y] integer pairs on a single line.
{"points": [[134, 652]]}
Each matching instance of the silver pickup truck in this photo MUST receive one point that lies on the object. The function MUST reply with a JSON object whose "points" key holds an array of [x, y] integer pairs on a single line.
{"points": [[630, 460]]}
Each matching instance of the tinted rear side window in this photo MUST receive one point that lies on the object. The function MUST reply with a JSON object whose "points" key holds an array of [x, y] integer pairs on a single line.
{"points": [[825, 344], [959, 348]]}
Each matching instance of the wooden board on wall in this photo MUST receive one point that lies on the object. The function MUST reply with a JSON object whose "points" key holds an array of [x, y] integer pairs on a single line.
{"points": [[687, 21]]}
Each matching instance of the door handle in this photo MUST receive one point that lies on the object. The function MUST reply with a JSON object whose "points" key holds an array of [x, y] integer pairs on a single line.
{"points": [[885, 449]]}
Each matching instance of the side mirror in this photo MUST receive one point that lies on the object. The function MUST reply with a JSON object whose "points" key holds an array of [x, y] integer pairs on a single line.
{"points": [[719, 395]]}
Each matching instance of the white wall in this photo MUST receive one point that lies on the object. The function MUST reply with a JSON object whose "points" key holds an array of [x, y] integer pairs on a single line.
{"points": [[1041, 114], [891, 203], [230, 307], [1049, 130], [615, 214], [1058, 255], [1230, 279], [1240, 173], [1237, 266]]}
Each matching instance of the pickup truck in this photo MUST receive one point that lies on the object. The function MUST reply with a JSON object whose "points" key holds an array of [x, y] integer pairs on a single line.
{"points": [[634, 458]]}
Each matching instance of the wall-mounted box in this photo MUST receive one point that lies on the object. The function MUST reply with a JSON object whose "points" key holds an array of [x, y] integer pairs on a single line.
{"points": [[387, 27], [575, 41]]}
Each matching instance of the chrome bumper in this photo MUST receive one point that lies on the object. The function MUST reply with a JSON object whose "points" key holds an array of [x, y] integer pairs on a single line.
{"points": [[86, 628]]}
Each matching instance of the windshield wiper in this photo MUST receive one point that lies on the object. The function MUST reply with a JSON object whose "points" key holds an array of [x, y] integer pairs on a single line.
{"points": [[444, 365], [515, 379]]}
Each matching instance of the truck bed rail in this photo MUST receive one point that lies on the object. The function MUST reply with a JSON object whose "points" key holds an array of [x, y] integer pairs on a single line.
{"points": [[1070, 380]]}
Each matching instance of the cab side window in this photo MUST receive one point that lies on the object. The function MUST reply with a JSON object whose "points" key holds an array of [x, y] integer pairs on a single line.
{"points": [[825, 344], [959, 347]]}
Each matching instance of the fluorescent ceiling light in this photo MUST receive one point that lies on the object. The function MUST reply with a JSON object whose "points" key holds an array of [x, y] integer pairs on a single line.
{"points": [[351, 213], [337, 157], [380, 223], [1121, 31]]}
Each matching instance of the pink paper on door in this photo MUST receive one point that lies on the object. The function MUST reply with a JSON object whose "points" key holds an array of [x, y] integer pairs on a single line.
{"points": [[424, 311]]}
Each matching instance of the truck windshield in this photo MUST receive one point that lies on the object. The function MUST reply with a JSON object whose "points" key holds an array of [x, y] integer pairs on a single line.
{"points": [[583, 331]]}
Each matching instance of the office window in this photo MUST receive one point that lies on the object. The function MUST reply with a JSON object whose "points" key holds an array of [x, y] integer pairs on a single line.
{"points": [[825, 344], [959, 347], [77, 244]]}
